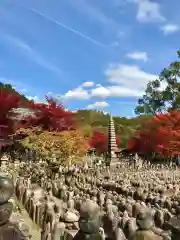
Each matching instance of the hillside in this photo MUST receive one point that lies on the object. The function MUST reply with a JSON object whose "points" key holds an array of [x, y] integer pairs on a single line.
{"points": [[125, 127]]}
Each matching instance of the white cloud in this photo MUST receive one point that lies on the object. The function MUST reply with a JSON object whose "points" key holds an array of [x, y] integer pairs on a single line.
{"points": [[138, 56], [98, 105], [129, 76], [125, 80], [35, 98], [98, 85], [102, 92], [77, 93], [88, 84], [148, 11], [114, 91], [170, 28]]}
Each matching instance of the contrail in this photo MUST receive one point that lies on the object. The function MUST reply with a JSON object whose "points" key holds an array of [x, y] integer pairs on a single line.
{"points": [[66, 27]]}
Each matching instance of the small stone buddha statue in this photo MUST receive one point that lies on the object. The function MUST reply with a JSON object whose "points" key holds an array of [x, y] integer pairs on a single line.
{"points": [[89, 222], [145, 224], [8, 230]]}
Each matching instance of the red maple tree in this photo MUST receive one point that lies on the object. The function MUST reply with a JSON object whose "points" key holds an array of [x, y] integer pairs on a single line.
{"points": [[51, 116], [168, 133], [134, 144], [8, 102], [118, 141], [159, 135], [99, 141]]}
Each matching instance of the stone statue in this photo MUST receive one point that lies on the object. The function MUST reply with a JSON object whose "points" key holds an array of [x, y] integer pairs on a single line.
{"points": [[145, 224], [89, 222], [174, 224], [7, 229]]}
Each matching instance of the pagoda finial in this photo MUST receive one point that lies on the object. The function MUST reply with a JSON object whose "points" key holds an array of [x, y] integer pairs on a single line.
{"points": [[111, 117]]}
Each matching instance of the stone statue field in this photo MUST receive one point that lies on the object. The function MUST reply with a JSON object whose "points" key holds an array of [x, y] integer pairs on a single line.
{"points": [[119, 202]]}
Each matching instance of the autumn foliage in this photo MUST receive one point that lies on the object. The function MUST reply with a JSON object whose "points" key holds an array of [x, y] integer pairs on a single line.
{"points": [[48, 128], [99, 142], [66, 146], [159, 135], [51, 116], [118, 141], [54, 129], [8, 102]]}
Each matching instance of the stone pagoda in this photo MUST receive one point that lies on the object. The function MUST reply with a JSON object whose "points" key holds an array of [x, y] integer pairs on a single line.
{"points": [[112, 145]]}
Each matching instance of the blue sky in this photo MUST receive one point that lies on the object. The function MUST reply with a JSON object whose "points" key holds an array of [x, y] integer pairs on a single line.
{"points": [[89, 53]]}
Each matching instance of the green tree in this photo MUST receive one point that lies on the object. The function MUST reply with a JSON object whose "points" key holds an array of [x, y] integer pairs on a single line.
{"points": [[162, 94]]}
